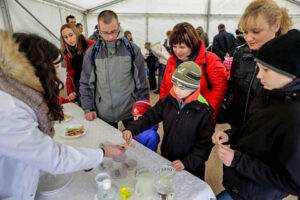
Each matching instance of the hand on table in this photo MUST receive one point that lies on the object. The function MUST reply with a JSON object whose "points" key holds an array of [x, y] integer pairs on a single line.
{"points": [[178, 165], [219, 137], [114, 151], [91, 116], [72, 96], [225, 154], [127, 136]]}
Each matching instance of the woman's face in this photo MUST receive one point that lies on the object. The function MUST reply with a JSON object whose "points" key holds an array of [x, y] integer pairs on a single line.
{"points": [[182, 51], [260, 32], [271, 79], [69, 36]]}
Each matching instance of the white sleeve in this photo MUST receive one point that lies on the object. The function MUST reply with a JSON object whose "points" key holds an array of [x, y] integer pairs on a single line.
{"points": [[21, 139]]}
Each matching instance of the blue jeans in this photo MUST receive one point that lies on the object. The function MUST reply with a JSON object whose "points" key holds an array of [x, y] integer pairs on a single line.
{"points": [[224, 195], [161, 71]]}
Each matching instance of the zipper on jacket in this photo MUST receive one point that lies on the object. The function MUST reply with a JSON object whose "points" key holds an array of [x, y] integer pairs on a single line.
{"points": [[248, 94]]}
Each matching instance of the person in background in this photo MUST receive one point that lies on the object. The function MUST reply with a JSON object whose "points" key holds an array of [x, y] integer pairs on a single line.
{"points": [[227, 64], [150, 137], [240, 40], [261, 21], [263, 159], [187, 122], [162, 54], [128, 35], [29, 90], [120, 79], [70, 19], [79, 27], [73, 45], [166, 42], [203, 35], [186, 46], [150, 59], [224, 43], [95, 35]]}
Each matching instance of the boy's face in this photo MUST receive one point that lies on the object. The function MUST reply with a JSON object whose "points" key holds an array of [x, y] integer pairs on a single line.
{"points": [[136, 117], [181, 93], [271, 79]]}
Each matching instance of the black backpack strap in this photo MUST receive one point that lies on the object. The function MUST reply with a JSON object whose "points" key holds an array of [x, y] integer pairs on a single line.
{"points": [[95, 51], [132, 56], [209, 86]]}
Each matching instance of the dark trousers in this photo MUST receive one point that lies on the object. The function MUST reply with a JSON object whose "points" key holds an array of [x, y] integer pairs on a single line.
{"points": [[125, 123]]}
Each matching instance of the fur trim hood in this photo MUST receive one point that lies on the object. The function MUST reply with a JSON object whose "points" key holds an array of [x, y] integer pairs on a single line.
{"points": [[15, 65]]}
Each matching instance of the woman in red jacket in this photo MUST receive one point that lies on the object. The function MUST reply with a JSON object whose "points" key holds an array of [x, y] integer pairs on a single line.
{"points": [[74, 46], [186, 45]]}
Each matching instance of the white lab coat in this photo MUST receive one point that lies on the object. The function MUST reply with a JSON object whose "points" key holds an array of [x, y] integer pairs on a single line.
{"points": [[25, 150]]}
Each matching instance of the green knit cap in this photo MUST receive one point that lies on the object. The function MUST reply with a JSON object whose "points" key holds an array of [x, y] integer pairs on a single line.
{"points": [[187, 76]]}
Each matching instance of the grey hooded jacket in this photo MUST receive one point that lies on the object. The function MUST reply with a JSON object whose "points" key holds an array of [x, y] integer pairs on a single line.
{"points": [[111, 87]]}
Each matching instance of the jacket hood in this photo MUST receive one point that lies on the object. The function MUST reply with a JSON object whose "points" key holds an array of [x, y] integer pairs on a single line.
{"points": [[15, 65]]}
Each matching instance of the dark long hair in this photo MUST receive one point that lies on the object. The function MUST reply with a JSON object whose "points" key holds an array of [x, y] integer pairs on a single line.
{"points": [[41, 54]]}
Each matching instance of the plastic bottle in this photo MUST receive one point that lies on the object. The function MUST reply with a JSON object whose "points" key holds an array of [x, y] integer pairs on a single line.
{"points": [[108, 192]]}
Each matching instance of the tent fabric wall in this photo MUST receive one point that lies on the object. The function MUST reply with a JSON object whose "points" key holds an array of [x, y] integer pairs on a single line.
{"points": [[2, 24], [51, 16]]}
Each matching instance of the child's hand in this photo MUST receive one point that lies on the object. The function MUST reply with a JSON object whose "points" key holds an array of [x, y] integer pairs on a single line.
{"points": [[219, 137], [225, 154], [127, 136], [178, 165]]}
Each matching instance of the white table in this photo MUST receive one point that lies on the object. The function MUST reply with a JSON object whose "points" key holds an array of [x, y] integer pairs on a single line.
{"points": [[83, 185]]}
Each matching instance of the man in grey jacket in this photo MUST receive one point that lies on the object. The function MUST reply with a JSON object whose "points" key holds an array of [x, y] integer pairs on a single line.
{"points": [[111, 83]]}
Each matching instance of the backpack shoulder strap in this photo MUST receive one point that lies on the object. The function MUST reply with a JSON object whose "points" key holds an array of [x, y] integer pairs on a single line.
{"points": [[132, 56], [129, 48], [209, 86], [95, 51]]}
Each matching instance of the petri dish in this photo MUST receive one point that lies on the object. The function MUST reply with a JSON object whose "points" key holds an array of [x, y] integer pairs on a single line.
{"points": [[51, 184]]}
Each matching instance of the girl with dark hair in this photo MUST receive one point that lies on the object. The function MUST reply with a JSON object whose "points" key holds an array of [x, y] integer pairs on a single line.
{"points": [[185, 44], [29, 89], [74, 45]]}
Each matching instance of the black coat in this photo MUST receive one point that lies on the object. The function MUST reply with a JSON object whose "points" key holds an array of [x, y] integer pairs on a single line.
{"points": [[223, 43], [266, 164], [243, 86], [187, 133]]}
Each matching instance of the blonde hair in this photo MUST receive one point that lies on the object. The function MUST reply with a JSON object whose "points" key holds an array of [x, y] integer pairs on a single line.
{"points": [[270, 11], [65, 46]]}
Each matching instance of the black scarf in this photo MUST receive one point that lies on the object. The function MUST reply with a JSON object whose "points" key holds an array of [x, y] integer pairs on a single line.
{"points": [[77, 59]]}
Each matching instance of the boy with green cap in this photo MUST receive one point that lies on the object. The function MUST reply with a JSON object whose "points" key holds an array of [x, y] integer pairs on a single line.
{"points": [[187, 122]]}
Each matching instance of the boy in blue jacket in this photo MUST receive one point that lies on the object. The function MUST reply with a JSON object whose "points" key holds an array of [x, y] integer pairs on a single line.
{"points": [[150, 137]]}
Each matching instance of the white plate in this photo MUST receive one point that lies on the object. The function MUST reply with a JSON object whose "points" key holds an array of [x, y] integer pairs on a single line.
{"points": [[67, 113], [62, 134], [51, 184]]}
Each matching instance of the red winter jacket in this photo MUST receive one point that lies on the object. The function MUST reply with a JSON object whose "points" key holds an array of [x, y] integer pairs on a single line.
{"points": [[71, 87], [216, 74]]}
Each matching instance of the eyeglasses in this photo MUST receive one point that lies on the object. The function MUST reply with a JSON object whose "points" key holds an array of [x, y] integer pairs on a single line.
{"points": [[109, 33]]}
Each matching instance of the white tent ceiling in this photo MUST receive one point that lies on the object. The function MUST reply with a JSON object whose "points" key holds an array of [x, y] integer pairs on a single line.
{"points": [[147, 20]]}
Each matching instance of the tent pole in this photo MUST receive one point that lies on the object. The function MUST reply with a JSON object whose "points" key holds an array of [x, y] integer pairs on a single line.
{"points": [[37, 20], [85, 24], [147, 27], [208, 16], [6, 15]]}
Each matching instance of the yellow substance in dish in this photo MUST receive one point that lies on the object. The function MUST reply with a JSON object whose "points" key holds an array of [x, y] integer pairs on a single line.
{"points": [[74, 131], [66, 117]]}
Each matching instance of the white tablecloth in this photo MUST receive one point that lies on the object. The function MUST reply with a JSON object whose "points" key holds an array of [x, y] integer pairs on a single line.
{"points": [[83, 185]]}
